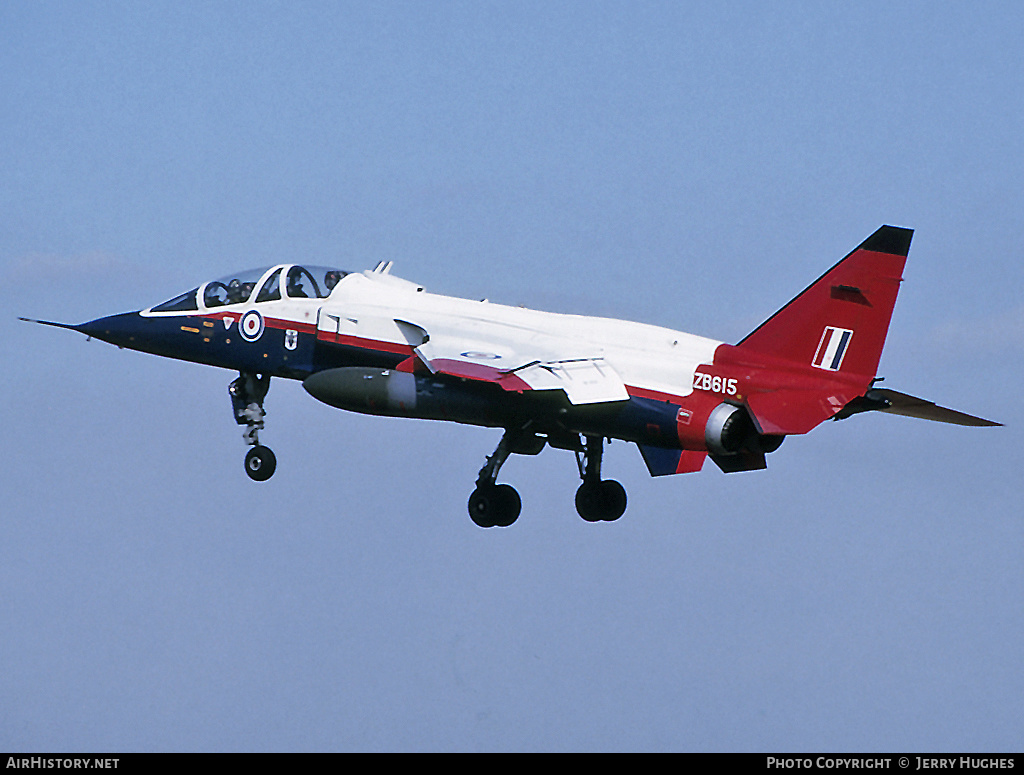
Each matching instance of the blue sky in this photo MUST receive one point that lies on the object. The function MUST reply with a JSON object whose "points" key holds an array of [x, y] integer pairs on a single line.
{"points": [[687, 165]]}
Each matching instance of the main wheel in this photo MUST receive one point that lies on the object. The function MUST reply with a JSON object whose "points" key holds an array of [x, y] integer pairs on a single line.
{"points": [[589, 503], [614, 495], [260, 463], [494, 505], [603, 501]]}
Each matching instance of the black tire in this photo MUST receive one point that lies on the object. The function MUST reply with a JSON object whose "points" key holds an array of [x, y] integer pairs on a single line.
{"points": [[494, 505], [589, 501], [260, 463], [603, 501], [614, 496], [481, 506], [509, 505]]}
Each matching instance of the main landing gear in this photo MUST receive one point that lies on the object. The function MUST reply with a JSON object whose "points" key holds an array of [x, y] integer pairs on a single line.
{"points": [[498, 505], [247, 394], [491, 504], [597, 499]]}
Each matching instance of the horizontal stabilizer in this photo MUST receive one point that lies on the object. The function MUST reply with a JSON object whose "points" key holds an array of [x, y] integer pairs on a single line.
{"points": [[890, 401]]}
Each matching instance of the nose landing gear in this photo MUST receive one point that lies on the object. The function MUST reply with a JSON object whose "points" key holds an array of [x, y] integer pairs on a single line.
{"points": [[247, 394]]}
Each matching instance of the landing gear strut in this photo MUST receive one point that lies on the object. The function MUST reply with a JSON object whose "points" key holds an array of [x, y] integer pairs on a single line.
{"points": [[247, 394], [498, 505], [491, 504], [597, 500]]}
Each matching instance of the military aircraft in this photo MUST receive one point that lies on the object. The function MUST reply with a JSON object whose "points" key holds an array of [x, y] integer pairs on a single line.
{"points": [[374, 343]]}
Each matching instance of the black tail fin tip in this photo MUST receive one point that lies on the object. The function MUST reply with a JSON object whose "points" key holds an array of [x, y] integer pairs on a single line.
{"points": [[893, 240]]}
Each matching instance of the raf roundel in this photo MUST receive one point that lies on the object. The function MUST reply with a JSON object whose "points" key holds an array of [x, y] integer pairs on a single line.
{"points": [[251, 325], [480, 356]]}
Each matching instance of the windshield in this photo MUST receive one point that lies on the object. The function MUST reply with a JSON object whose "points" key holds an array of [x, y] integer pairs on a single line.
{"points": [[184, 303]]}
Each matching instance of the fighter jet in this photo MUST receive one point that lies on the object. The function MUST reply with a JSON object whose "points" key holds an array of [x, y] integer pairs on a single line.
{"points": [[371, 342]]}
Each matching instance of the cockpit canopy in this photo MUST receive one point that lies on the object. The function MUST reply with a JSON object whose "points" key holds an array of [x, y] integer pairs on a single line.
{"points": [[299, 282]]}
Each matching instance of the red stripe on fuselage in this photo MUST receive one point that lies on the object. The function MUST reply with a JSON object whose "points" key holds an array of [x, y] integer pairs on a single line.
{"points": [[377, 345], [278, 323]]}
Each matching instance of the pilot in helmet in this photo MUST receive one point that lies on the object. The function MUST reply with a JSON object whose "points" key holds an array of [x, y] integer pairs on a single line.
{"points": [[295, 283]]}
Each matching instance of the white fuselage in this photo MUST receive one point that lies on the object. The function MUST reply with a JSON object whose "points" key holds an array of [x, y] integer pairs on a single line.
{"points": [[374, 307]]}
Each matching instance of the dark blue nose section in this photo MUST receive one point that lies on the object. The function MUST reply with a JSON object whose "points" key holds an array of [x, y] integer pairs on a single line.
{"points": [[128, 329], [173, 336]]}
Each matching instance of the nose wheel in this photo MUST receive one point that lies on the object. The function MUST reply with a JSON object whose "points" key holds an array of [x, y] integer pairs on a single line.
{"points": [[247, 394], [260, 463]]}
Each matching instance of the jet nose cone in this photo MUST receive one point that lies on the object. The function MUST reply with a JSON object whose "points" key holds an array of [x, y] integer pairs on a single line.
{"points": [[123, 330]]}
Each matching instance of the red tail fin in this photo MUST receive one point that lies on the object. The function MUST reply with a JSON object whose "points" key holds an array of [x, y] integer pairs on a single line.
{"points": [[840, 321]]}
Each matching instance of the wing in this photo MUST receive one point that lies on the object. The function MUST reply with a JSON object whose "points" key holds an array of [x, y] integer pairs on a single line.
{"points": [[517, 359]]}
